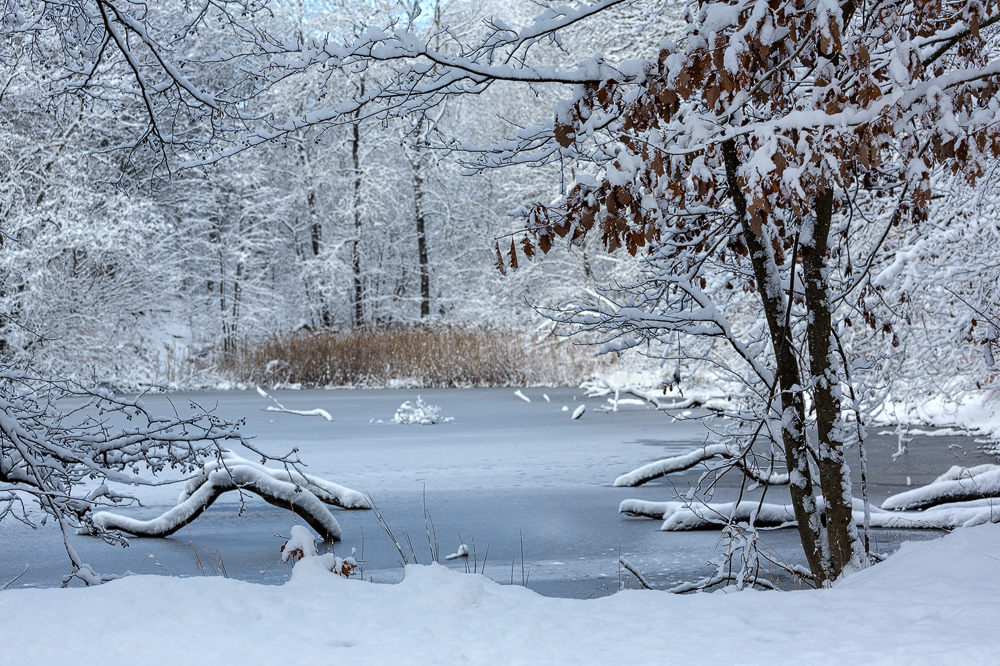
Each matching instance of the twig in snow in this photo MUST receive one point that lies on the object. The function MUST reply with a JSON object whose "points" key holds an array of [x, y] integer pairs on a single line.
{"points": [[15, 578], [635, 572]]}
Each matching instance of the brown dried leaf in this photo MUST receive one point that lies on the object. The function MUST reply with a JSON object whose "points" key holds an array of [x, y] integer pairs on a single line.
{"points": [[498, 259], [545, 243], [565, 135], [712, 94]]}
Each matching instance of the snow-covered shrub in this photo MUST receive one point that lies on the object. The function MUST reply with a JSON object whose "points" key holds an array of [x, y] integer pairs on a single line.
{"points": [[301, 545], [418, 412]]}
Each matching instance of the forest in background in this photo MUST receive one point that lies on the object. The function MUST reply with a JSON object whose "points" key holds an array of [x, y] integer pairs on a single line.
{"points": [[118, 265], [137, 265]]}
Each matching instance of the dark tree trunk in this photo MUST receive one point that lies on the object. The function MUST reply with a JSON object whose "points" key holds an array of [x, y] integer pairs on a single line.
{"points": [[793, 432], [359, 311], [824, 370], [418, 212]]}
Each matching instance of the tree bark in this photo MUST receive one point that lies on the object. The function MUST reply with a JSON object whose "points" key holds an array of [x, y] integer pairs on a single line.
{"points": [[359, 311], [418, 212], [824, 370], [793, 434]]}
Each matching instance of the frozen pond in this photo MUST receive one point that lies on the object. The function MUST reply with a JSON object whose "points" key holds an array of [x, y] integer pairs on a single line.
{"points": [[524, 484]]}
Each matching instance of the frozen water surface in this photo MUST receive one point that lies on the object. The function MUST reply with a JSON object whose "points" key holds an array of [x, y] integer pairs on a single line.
{"points": [[525, 486]]}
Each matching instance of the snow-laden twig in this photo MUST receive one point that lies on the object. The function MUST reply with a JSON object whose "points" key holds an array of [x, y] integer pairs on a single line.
{"points": [[14, 579], [602, 387], [58, 437], [712, 581], [631, 568]]}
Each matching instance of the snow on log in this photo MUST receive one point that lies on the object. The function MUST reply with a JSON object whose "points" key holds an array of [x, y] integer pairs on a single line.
{"points": [[680, 516], [660, 468], [287, 495], [327, 491], [693, 516], [956, 472], [300, 412], [655, 470], [647, 509], [957, 484], [943, 517]]}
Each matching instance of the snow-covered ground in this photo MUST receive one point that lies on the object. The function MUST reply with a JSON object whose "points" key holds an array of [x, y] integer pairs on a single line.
{"points": [[933, 603]]}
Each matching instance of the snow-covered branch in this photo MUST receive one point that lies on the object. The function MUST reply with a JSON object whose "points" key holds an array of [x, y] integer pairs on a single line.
{"points": [[725, 452], [61, 441], [233, 477]]}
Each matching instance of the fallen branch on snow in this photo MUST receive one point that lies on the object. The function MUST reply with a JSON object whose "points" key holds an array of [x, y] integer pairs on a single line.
{"points": [[307, 496]]}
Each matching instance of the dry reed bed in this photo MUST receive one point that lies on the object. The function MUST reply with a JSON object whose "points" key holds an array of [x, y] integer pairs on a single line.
{"points": [[425, 356]]}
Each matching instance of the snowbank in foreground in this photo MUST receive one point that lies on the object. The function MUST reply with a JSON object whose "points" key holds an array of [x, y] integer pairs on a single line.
{"points": [[933, 602]]}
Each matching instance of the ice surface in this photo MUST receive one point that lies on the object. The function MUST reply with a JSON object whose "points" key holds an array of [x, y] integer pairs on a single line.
{"points": [[504, 473]]}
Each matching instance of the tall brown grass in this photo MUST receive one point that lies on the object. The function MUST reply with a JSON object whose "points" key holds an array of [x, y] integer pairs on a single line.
{"points": [[421, 356]]}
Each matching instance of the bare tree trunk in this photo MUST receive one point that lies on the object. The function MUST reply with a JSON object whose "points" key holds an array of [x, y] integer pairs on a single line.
{"points": [[418, 213], [824, 370], [793, 432], [359, 312], [315, 234]]}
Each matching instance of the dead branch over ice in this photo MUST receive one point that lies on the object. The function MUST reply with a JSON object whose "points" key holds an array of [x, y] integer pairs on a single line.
{"points": [[327, 491], [680, 516], [660, 468], [307, 496], [957, 484]]}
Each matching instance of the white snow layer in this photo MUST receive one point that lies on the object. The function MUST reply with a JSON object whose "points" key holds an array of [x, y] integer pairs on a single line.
{"points": [[419, 413], [934, 602]]}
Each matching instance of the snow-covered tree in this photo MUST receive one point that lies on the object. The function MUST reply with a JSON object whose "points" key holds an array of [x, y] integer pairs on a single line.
{"points": [[751, 161]]}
